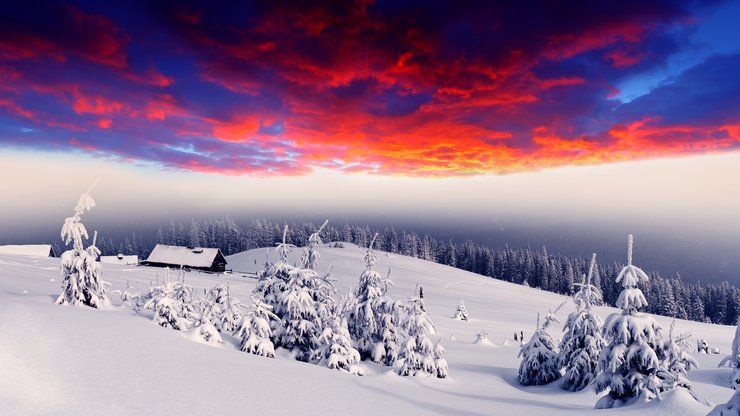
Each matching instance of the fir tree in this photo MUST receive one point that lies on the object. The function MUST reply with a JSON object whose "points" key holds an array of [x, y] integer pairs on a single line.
{"points": [[582, 342], [418, 355], [461, 314], [336, 351], [630, 365], [255, 330], [733, 361], [372, 319], [167, 310], [203, 327], [539, 360], [731, 408], [82, 283], [677, 361]]}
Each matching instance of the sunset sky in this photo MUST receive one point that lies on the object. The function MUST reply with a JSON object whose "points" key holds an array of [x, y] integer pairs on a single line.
{"points": [[611, 117], [393, 88]]}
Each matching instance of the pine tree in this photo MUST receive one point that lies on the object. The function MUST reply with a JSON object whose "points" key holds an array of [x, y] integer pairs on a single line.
{"points": [[167, 310], [461, 314], [256, 332], [733, 361], [336, 351], [203, 327], [539, 360], [231, 315], [372, 319], [418, 355], [82, 283], [731, 408], [677, 361], [630, 364], [293, 294], [582, 342]]}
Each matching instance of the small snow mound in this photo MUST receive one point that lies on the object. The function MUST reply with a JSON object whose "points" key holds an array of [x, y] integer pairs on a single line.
{"points": [[52, 280]]}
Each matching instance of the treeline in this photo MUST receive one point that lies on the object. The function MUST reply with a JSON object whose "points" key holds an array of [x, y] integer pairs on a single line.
{"points": [[715, 303]]}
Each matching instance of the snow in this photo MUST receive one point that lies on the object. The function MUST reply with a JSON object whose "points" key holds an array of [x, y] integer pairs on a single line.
{"points": [[73, 360], [190, 257], [38, 250], [120, 259]]}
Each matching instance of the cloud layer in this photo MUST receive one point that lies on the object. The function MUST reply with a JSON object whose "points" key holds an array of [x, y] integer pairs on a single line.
{"points": [[396, 88]]}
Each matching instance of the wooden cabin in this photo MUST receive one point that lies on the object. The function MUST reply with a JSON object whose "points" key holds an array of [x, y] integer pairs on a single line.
{"points": [[207, 259], [37, 250]]}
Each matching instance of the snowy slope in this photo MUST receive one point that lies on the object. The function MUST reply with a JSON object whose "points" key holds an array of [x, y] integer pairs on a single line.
{"points": [[67, 360]]}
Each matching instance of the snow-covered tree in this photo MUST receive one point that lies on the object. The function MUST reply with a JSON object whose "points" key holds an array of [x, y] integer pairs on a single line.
{"points": [[336, 351], [539, 360], [731, 408], [373, 318], [294, 295], [231, 315], [82, 282], [311, 256], [166, 309], [677, 361], [630, 364], [439, 361], [733, 361], [255, 330], [203, 327], [418, 355], [582, 341], [461, 314]]}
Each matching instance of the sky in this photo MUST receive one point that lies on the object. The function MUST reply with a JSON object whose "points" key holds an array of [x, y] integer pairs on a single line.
{"points": [[569, 122]]}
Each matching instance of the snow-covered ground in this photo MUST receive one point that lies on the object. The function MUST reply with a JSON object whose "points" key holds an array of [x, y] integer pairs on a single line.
{"points": [[59, 360]]}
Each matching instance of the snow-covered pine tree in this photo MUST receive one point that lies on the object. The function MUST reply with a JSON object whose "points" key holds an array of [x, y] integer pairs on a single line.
{"points": [[336, 351], [166, 309], [82, 283], [418, 355], [539, 360], [231, 315], [293, 294], [629, 365], [677, 361], [255, 330], [731, 408], [203, 327], [373, 319], [582, 341], [439, 361], [733, 361], [311, 256], [461, 314]]}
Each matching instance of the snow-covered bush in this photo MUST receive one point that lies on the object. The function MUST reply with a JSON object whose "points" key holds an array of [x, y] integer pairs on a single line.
{"points": [[630, 364], [418, 355], [482, 338], [373, 315], [582, 341], [539, 360], [255, 330], [733, 361], [336, 351], [82, 282], [461, 314]]}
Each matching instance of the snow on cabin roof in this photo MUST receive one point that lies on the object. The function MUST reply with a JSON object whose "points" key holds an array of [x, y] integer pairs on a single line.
{"points": [[39, 250], [176, 255], [120, 259]]}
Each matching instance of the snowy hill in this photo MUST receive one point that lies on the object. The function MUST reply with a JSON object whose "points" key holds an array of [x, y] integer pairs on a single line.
{"points": [[69, 360]]}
